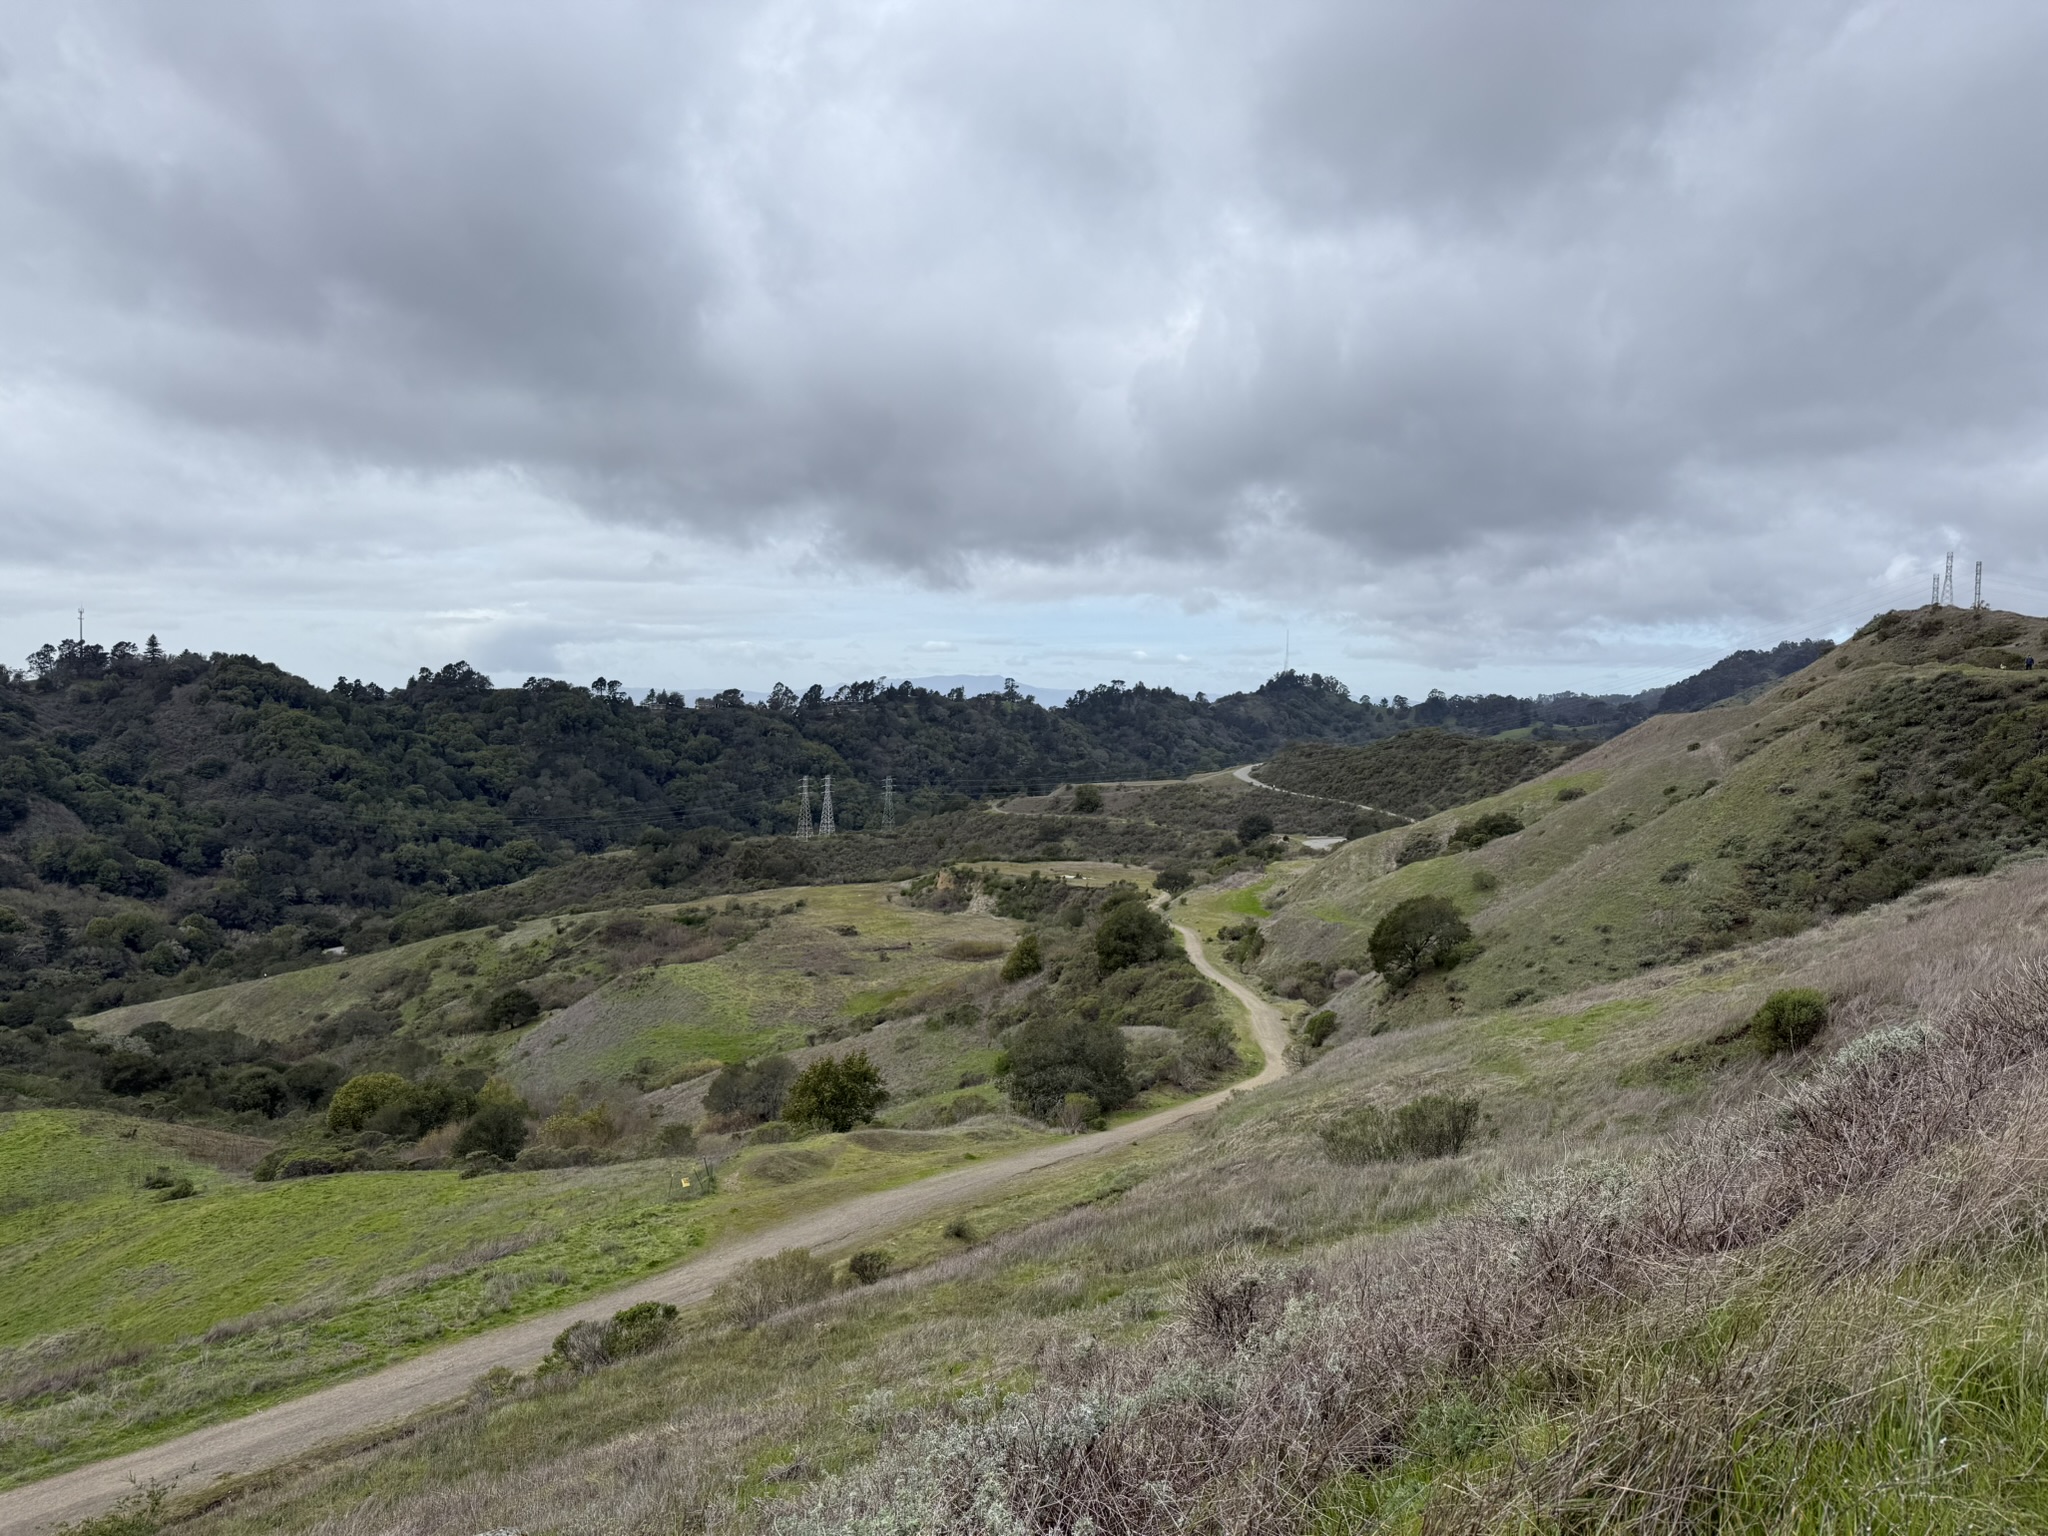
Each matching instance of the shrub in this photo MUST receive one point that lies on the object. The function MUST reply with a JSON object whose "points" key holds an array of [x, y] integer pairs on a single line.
{"points": [[1131, 934], [1050, 1058], [178, 1189], [1482, 830], [836, 1093], [1242, 942], [960, 1229], [512, 1008], [768, 1287], [1318, 1027], [1571, 792], [1087, 799], [1789, 1019], [313, 1081], [1025, 959], [257, 1090], [1484, 881], [753, 1091], [1435, 1125], [1174, 880], [498, 1128], [1416, 847], [1422, 933], [632, 1331], [677, 1140], [868, 1266], [1254, 827], [360, 1098], [1077, 1112]]}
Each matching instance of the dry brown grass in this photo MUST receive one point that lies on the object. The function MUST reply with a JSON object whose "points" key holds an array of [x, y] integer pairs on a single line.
{"points": [[1195, 1432]]}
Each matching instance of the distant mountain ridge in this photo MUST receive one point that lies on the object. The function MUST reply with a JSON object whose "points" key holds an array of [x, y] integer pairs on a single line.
{"points": [[1738, 673]]}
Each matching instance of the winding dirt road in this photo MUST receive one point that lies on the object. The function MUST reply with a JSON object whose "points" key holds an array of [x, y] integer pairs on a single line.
{"points": [[1244, 775], [348, 1409]]}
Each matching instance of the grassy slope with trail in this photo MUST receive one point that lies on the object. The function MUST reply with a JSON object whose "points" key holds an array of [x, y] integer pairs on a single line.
{"points": [[1415, 774], [127, 1318], [1905, 755], [750, 1431]]}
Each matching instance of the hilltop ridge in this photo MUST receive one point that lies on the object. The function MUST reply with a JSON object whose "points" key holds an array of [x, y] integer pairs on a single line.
{"points": [[1910, 753]]}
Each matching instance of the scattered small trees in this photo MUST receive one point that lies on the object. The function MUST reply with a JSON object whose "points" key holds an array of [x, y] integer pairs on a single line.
{"points": [[1024, 960], [1788, 1020], [386, 1103], [1422, 933], [1131, 934], [835, 1093]]}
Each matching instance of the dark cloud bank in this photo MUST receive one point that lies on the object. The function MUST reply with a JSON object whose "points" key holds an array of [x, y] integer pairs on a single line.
{"points": [[1487, 317]]}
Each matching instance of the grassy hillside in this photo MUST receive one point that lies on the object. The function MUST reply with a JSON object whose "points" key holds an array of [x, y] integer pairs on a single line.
{"points": [[1415, 774], [1645, 1297], [125, 1316], [148, 1282], [1910, 753]]}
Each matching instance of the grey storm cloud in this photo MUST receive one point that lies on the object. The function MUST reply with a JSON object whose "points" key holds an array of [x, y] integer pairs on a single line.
{"points": [[1471, 285]]}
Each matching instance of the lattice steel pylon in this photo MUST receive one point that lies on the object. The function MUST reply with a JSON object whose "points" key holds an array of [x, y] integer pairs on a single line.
{"points": [[1977, 601], [803, 815], [889, 802], [825, 827], [1948, 581], [1934, 592]]}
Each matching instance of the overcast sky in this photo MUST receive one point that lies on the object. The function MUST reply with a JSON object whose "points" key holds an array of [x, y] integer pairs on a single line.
{"points": [[1476, 343]]}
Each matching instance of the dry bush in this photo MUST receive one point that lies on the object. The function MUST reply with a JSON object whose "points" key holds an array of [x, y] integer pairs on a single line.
{"points": [[769, 1287], [1171, 1438]]}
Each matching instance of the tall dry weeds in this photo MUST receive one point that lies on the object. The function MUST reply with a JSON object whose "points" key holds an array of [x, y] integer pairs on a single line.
{"points": [[1195, 1432]]}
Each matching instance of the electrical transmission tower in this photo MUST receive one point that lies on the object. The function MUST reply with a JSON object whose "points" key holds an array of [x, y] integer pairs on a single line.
{"points": [[1978, 600], [803, 815], [1934, 592], [825, 827], [888, 802], [1948, 581]]}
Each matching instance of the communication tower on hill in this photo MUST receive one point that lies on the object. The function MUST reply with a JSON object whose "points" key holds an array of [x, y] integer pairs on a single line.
{"points": [[1948, 581], [825, 827], [1934, 592], [1978, 600], [888, 802], [803, 815]]}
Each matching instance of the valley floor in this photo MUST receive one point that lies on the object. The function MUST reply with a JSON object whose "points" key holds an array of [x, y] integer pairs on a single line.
{"points": [[353, 1408]]}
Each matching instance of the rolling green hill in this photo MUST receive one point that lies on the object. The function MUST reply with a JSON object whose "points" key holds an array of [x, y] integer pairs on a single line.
{"points": [[1669, 1284], [1911, 753]]}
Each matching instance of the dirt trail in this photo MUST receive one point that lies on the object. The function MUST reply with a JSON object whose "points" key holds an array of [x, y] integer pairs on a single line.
{"points": [[351, 1408], [1245, 775]]}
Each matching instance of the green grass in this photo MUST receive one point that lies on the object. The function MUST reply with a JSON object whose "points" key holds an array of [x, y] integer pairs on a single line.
{"points": [[800, 978], [311, 1279]]}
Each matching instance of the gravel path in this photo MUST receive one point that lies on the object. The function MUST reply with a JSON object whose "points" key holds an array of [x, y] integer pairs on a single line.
{"points": [[277, 1435]]}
